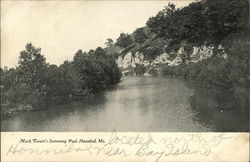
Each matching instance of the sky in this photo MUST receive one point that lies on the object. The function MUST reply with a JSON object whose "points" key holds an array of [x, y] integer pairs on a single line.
{"points": [[60, 28]]}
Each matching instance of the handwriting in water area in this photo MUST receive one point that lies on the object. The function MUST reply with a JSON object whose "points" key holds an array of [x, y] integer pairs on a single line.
{"points": [[137, 145]]}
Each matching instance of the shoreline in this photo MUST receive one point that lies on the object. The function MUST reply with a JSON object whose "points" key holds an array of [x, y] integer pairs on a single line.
{"points": [[22, 108]]}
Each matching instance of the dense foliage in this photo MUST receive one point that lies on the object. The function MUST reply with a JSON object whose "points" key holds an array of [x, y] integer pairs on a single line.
{"points": [[109, 42], [154, 49], [35, 82], [124, 40], [207, 21], [140, 36]]}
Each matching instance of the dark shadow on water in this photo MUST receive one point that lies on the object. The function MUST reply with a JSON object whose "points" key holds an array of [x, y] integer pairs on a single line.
{"points": [[219, 109]]}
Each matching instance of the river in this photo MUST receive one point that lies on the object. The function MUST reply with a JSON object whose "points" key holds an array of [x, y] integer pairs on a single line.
{"points": [[137, 104]]}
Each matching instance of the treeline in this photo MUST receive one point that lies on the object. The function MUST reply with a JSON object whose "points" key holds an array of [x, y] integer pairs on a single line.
{"points": [[36, 83], [206, 22]]}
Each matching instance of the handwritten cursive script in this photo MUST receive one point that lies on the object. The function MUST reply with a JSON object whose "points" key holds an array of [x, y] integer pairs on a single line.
{"points": [[137, 145]]}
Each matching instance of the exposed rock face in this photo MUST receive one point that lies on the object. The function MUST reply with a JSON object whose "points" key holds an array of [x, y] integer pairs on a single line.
{"points": [[127, 60], [196, 55], [162, 59], [139, 58], [178, 60], [119, 61], [201, 53], [223, 53], [131, 61]]}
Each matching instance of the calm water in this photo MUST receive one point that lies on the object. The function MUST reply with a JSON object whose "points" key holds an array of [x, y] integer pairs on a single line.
{"points": [[137, 104]]}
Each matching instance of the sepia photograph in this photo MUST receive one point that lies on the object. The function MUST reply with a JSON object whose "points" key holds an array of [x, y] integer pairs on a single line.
{"points": [[132, 80], [128, 66]]}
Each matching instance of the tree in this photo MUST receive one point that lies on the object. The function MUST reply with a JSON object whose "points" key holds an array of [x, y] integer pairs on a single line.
{"points": [[225, 17], [91, 51], [96, 71], [8, 78], [124, 40], [179, 24], [161, 24], [59, 84], [109, 42], [99, 51], [32, 67], [140, 36]]}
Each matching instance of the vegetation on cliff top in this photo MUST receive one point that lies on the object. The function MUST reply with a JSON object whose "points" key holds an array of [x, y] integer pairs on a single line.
{"points": [[202, 22]]}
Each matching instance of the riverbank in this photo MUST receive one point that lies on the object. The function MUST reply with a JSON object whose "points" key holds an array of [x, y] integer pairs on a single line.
{"points": [[10, 110]]}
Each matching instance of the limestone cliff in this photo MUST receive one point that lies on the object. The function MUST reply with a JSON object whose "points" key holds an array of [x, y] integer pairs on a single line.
{"points": [[129, 61]]}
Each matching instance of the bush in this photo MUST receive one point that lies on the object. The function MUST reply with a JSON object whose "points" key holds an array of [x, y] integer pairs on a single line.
{"points": [[139, 69]]}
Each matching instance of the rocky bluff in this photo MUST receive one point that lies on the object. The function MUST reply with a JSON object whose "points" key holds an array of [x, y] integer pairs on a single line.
{"points": [[129, 61]]}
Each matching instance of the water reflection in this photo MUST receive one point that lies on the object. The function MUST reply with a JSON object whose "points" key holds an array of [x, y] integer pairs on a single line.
{"points": [[219, 109], [135, 104]]}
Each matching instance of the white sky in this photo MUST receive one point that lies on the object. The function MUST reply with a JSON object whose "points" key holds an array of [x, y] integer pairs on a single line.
{"points": [[61, 28]]}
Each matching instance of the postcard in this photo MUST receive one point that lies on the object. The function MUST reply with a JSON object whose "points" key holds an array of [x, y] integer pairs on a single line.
{"points": [[125, 80]]}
